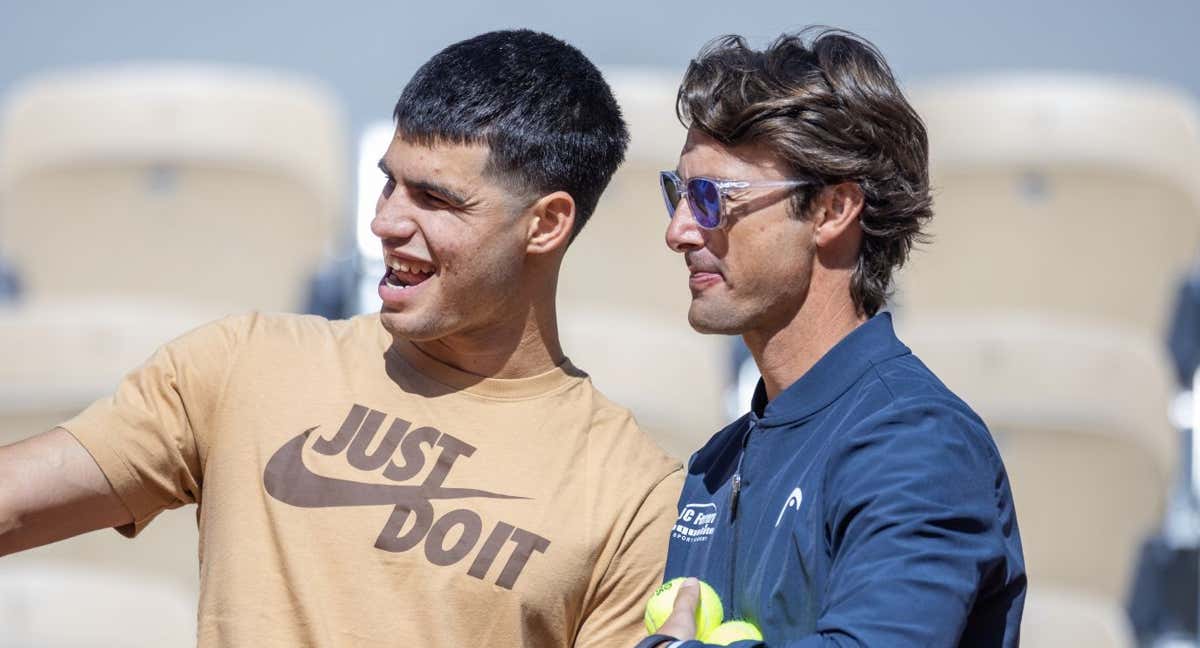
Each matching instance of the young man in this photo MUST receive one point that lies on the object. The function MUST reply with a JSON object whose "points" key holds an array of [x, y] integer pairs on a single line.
{"points": [[859, 502], [438, 474]]}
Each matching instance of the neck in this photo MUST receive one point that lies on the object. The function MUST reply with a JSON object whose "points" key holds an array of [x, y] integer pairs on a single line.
{"points": [[524, 343], [785, 353]]}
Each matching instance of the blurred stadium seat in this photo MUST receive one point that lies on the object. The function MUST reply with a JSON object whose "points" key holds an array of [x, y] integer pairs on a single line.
{"points": [[1065, 194], [51, 606], [61, 356], [1076, 409], [215, 185], [1056, 618]]}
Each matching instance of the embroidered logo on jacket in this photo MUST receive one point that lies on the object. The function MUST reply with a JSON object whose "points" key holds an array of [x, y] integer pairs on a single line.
{"points": [[290, 481], [696, 522]]}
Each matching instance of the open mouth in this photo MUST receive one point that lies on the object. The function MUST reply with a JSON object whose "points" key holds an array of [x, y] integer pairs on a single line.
{"points": [[405, 273]]}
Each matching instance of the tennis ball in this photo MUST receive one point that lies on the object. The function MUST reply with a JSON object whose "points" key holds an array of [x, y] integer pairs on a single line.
{"points": [[709, 613], [731, 631]]}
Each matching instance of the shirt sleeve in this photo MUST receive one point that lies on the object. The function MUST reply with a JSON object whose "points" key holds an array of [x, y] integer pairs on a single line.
{"points": [[616, 614], [147, 436], [911, 517]]}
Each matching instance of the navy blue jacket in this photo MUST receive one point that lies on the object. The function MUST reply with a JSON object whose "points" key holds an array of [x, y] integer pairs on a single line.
{"points": [[866, 505]]}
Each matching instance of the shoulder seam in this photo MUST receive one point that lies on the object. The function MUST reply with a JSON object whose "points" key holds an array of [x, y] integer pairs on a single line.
{"points": [[883, 381], [240, 337]]}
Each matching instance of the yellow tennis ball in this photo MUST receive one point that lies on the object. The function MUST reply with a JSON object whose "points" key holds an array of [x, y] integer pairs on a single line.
{"points": [[731, 631], [709, 613]]}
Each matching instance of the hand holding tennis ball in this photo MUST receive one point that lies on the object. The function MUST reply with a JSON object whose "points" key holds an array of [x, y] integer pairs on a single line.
{"points": [[731, 631], [708, 610]]}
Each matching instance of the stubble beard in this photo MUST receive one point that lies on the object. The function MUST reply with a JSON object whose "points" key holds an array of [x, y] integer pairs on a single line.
{"points": [[716, 319]]}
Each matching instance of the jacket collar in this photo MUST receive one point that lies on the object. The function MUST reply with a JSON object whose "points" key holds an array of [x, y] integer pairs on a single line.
{"points": [[874, 341]]}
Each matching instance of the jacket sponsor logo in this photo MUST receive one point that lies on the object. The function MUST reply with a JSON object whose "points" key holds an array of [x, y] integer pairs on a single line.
{"points": [[289, 480], [696, 522], [793, 501]]}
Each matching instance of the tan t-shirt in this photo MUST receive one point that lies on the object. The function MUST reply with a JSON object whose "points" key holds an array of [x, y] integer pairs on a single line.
{"points": [[358, 493]]}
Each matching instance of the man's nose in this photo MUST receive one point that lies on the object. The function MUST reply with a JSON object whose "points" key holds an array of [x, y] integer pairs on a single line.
{"points": [[683, 234], [393, 217]]}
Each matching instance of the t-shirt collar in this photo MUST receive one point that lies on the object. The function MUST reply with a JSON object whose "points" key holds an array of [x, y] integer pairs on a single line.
{"points": [[872, 342], [560, 377]]}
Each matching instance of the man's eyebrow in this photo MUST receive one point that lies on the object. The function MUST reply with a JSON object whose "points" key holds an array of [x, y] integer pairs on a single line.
{"points": [[449, 194], [425, 185]]}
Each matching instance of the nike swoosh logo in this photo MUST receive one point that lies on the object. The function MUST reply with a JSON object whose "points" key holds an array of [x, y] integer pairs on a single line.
{"points": [[288, 480]]}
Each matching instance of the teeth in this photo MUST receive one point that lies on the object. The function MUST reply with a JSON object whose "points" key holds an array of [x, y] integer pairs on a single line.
{"points": [[409, 266]]}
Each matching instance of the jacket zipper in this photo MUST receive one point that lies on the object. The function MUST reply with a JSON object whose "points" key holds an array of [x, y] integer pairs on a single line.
{"points": [[734, 492]]}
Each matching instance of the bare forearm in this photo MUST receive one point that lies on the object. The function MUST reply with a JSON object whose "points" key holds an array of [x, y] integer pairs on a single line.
{"points": [[52, 489]]}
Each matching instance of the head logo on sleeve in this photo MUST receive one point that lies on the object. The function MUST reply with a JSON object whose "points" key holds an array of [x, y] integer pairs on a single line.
{"points": [[289, 480], [696, 522]]}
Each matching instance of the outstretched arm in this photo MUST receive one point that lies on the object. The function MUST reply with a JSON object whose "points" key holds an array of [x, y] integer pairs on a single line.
{"points": [[51, 489]]}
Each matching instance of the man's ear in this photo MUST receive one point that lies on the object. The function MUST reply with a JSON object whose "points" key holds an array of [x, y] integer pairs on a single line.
{"points": [[552, 219], [836, 213]]}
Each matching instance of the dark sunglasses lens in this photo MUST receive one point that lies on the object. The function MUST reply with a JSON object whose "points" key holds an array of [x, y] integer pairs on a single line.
{"points": [[706, 201], [670, 192]]}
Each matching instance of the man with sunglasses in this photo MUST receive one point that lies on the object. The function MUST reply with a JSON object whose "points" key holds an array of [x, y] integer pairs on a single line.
{"points": [[859, 502]]}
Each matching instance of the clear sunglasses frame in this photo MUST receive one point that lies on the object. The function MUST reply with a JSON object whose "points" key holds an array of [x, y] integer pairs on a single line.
{"points": [[703, 207]]}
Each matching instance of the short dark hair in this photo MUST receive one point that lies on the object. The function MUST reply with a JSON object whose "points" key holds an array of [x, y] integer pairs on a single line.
{"points": [[825, 101], [541, 107]]}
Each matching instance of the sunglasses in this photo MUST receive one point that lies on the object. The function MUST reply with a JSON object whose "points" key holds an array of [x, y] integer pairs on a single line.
{"points": [[706, 196]]}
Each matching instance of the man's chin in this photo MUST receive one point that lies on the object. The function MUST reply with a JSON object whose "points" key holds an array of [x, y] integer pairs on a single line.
{"points": [[403, 325], [710, 321]]}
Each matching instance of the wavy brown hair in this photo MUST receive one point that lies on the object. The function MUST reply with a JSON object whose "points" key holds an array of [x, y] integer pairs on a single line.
{"points": [[826, 103]]}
